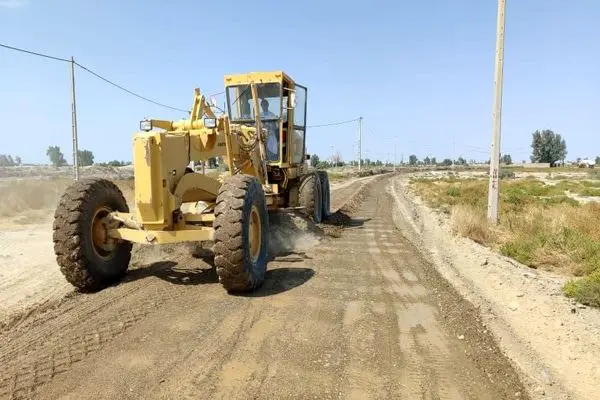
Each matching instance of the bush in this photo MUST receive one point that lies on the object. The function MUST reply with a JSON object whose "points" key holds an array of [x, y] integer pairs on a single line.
{"points": [[585, 290], [454, 191], [506, 174]]}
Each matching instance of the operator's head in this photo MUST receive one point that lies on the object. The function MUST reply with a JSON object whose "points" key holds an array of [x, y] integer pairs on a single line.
{"points": [[264, 104]]}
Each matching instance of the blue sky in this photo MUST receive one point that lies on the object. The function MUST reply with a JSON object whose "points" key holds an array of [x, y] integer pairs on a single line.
{"points": [[421, 71]]}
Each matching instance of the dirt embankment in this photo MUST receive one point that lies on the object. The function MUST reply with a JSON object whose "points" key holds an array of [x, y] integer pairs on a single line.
{"points": [[552, 341]]}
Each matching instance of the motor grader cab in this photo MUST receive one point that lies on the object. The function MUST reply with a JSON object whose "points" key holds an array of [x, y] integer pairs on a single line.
{"points": [[261, 140]]}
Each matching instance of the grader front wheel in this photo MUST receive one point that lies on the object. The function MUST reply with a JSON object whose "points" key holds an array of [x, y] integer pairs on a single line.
{"points": [[241, 234], [88, 258]]}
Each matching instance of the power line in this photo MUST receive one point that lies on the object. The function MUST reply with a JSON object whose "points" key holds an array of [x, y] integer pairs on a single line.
{"points": [[333, 123], [127, 90], [93, 73], [140, 96], [34, 53]]}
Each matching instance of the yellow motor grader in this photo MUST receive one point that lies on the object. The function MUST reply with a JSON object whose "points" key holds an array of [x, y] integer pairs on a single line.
{"points": [[260, 138]]}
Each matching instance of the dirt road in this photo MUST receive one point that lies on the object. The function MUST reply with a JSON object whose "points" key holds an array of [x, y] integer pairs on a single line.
{"points": [[358, 314]]}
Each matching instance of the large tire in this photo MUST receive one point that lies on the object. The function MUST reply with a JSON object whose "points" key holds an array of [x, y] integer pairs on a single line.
{"points": [[325, 193], [241, 234], [310, 197], [87, 258]]}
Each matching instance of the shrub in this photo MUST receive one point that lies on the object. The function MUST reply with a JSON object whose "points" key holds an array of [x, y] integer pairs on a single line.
{"points": [[506, 174]]}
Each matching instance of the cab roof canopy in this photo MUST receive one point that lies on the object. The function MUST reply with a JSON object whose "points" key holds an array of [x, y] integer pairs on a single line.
{"points": [[257, 77]]}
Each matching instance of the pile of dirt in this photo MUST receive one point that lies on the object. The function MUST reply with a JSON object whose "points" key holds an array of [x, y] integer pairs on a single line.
{"points": [[291, 233]]}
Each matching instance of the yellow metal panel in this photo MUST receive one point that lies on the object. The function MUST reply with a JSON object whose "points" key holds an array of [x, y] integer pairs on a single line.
{"points": [[191, 217], [147, 179], [193, 234], [203, 188]]}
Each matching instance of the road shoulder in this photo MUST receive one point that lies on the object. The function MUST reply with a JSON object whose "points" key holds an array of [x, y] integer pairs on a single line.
{"points": [[551, 342]]}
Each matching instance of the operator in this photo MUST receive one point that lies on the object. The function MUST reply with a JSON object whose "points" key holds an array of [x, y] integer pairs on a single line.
{"points": [[272, 131]]}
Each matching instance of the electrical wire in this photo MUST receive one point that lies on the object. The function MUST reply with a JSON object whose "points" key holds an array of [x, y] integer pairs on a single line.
{"points": [[34, 53], [127, 90], [93, 73], [333, 123], [90, 71]]}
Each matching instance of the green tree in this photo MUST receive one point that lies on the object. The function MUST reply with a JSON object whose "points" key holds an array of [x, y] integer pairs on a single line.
{"points": [[598, 160], [507, 159], [461, 161], [314, 160], [18, 160], [427, 160], [433, 161], [116, 163], [85, 157], [5, 161], [56, 156], [412, 160], [447, 162], [548, 147]]}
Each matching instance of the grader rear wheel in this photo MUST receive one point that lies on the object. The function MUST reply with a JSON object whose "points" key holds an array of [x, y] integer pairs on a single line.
{"points": [[325, 193], [88, 258], [241, 234], [311, 197]]}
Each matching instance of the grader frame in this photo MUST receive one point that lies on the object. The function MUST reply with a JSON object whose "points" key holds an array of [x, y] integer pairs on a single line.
{"points": [[94, 228]]}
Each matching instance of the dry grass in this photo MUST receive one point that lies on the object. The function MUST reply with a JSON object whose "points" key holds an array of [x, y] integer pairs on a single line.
{"points": [[540, 226], [469, 222]]}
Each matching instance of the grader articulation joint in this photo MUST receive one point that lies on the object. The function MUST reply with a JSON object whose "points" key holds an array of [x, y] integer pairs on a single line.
{"points": [[261, 140]]}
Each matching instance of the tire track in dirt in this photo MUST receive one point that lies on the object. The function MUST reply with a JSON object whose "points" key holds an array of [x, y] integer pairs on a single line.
{"points": [[50, 343], [357, 322], [53, 342]]}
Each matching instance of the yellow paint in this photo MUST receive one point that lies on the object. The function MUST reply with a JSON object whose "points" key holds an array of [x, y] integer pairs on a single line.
{"points": [[161, 156], [192, 234]]}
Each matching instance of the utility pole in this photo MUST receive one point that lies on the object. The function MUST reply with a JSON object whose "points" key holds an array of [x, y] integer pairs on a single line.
{"points": [[74, 123], [332, 155], [453, 154], [359, 142], [493, 191], [394, 155]]}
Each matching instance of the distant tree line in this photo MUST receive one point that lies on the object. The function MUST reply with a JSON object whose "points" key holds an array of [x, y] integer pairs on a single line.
{"points": [[9, 161], [84, 158], [336, 161]]}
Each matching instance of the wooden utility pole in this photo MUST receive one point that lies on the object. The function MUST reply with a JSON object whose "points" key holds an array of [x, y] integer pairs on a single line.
{"points": [[494, 190], [74, 123]]}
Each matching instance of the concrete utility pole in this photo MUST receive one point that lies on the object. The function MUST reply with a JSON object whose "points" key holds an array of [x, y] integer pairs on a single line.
{"points": [[359, 142], [74, 123], [494, 190], [453, 154], [394, 155]]}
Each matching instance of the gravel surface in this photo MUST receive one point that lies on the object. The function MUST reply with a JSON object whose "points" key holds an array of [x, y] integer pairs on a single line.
{"points": [[361, 315]]}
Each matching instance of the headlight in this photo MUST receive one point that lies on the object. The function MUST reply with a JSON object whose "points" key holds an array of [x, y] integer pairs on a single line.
{"points": [[210, 123], [146, 125]]}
